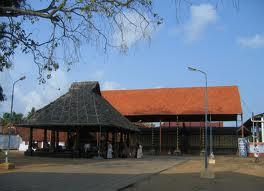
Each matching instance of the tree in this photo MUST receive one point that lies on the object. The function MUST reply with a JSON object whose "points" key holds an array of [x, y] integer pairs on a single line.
{"points": [[72, 22], [16, 118], [31, 113], [2, 95]]}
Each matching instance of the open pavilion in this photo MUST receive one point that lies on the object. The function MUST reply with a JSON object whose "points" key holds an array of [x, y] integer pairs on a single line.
{"points": [[84, 115]]}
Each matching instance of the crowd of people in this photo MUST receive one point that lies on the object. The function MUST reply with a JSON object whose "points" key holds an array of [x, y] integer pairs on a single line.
{"points": [[119, 150], [123, 150]]}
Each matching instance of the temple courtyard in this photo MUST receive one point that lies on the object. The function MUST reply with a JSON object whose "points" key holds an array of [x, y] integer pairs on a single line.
{"points": [[150, 173]]}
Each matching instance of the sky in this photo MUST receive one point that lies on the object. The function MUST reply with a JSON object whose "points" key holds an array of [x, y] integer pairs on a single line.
{"points": [[225, 42]]}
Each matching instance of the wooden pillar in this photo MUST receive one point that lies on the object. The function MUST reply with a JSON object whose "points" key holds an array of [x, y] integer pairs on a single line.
{"points": [[97, 139], [114, 142], [77, 140], [121, 137], [127, 138], [113, 138], [235, 136], [107, 136], [177, 134], [242, 126], [52, 141], [200, 137], [160, 137], [30, 140], [57, 138], [45, 139], [68, 140], [45, 136], [211, 138], [178, 151]]}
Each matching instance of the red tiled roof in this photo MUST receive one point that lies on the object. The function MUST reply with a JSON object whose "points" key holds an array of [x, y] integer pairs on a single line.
{"points": [[175, 101]]}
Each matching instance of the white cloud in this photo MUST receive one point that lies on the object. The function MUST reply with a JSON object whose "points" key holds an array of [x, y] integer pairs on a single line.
{"points": [[31, 99], [201, 16], [256, 41], [39, 96], [132, 28], [98, 75], [110, 85]]}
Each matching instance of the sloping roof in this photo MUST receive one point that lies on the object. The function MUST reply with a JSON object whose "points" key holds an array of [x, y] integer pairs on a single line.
{"points": [[83, 105], [248, 123], [223, 100]]}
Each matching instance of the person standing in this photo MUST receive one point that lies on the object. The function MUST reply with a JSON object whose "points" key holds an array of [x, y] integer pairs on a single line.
{"points": [[139, 152], [109, 151], [256, 153]]}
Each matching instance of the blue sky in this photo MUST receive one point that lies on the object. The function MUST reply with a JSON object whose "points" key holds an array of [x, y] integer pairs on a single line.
{"points": [[227, 43]]}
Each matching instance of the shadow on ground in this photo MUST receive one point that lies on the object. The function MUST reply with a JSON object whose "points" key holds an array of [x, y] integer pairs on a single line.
{"points": [[24, 181], [224, 181]]}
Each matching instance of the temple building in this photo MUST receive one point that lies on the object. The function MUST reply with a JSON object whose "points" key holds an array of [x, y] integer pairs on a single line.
{"points": [[164, 120], [180, 113]]}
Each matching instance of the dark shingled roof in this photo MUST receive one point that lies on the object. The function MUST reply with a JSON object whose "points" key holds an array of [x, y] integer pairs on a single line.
{"points": [[82, 106]]}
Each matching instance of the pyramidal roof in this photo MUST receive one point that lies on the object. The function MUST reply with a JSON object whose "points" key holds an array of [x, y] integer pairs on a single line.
{"points": [[82, 105]]}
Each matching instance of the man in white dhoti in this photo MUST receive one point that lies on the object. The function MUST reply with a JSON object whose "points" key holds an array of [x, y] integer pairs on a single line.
{"points": [[139, 152], [87, 147], [256, 153], [109, 151]]}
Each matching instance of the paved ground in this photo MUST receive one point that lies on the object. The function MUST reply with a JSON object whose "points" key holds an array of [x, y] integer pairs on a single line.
{"points": [[232, 173], [38, 173], [151, 173]]}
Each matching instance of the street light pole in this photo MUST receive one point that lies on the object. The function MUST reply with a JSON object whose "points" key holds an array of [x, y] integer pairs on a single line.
{"points": [[11, 118], [206, 120], [205, 113]]}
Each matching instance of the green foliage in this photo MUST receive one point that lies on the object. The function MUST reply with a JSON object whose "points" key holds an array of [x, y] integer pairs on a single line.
{"points": [[16, 118], [71, 22], [11, 36], [14, 3], [2, 95], [31, 113]]}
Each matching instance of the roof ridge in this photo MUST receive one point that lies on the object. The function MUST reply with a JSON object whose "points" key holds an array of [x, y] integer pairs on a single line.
{"points": [[196, 87]]}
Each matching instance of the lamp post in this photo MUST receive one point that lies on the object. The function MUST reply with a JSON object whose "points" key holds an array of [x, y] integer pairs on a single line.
{"points": [[206, 113], [11, 117]]}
